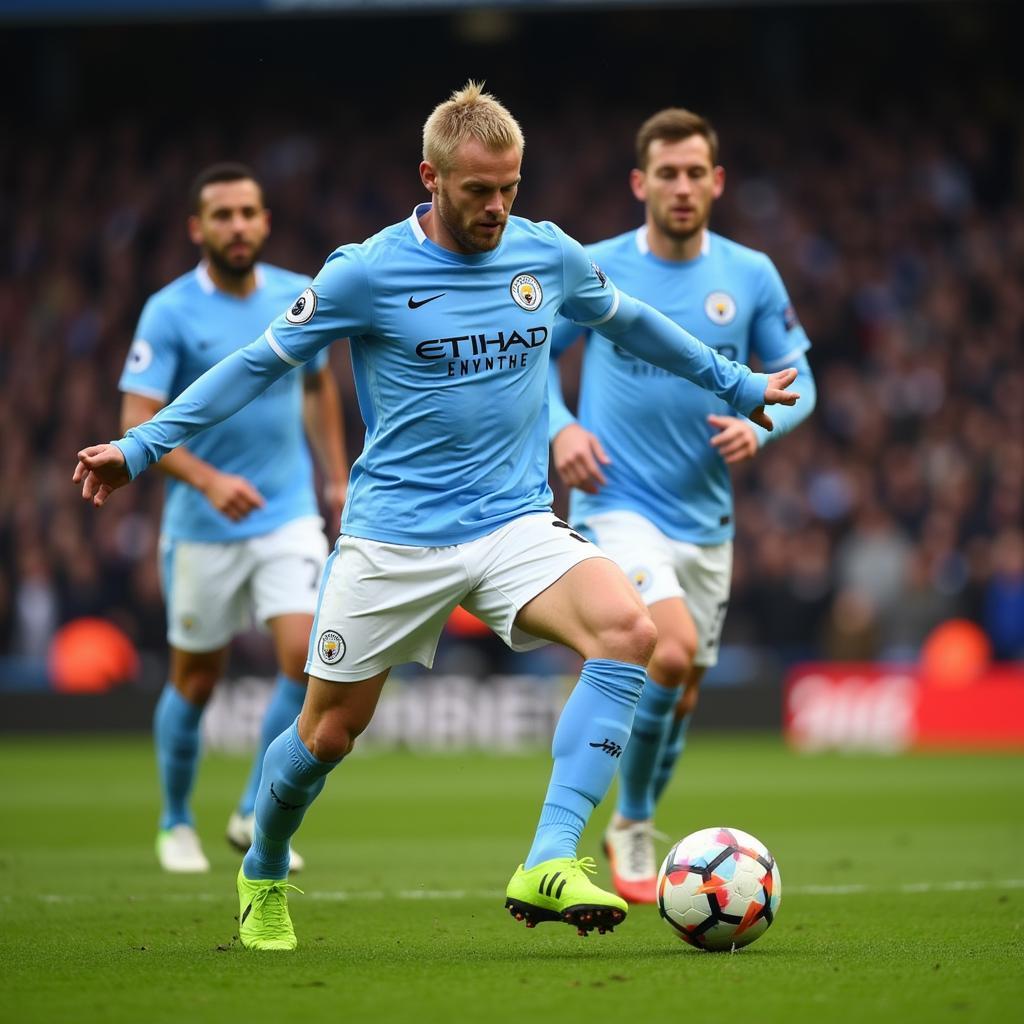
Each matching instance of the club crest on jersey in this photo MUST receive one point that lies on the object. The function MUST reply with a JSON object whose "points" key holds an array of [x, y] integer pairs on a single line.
{"points": [[526, 292], [140, 355], [720, 308], [303, 309], [331, 647]]}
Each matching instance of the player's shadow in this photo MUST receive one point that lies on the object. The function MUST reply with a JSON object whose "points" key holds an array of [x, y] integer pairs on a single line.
{"points": [[623, 957]]}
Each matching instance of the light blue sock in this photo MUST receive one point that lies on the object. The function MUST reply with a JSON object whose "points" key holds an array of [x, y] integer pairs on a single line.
{"points": [[675, 742], [642, 755], [591, 734], [176, 732], [284, 707], [292, 780]]}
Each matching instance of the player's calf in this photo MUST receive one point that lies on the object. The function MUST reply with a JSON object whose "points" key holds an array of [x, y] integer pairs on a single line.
{"points": [[239, 835]]}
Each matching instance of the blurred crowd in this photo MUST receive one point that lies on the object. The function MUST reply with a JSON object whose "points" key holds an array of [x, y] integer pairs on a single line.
{"points": [[900, 237]]}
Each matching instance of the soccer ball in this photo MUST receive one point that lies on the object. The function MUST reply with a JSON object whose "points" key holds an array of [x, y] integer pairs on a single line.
{"points": [[719, 889]]}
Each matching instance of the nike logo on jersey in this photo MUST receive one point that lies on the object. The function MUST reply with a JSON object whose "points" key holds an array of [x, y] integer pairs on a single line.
{"points": [[413, 304]]}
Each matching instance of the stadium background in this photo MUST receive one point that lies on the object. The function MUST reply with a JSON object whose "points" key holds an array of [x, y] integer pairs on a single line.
{"points": [[875, 151]]}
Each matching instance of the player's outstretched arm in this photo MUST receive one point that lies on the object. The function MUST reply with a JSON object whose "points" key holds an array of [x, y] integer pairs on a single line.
{"points": [[775, 393], [739, 439], [101, 470], [655, 338], [231, 495], [232, 383], [336, 305], [785, 417]]}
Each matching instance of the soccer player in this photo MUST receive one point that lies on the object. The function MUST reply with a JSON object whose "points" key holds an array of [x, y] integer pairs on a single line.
{"points": [[450, 314], [241, 534], [649, 455]]}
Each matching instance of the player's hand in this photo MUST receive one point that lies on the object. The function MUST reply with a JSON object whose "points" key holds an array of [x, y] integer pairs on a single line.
{"points": [[578, 458], [775, 394], [735, 440], [335, 493], [101, 470], [232, 496]]}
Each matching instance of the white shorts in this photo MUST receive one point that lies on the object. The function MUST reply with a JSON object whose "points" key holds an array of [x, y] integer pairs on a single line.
{"points": [[386, 604], [662, 568], [214, 591]]}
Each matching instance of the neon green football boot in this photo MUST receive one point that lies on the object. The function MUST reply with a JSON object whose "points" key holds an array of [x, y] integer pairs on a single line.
{"points": [[263, 919], [559, 890]]}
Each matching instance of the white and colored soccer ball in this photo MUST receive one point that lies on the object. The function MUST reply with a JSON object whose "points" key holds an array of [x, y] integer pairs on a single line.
{"points": [[719, 889]]}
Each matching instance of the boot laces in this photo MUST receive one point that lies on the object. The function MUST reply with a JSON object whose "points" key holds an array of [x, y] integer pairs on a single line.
{"points": [[640, 848], [273, 912], [585, 864]]}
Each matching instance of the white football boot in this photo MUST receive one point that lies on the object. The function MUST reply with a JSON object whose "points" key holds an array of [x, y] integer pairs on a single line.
{"points": [[630, 852], [178, 850]]}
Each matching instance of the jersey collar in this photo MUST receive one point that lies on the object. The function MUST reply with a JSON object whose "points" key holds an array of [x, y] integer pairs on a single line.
{"points": [[446, 254], [644, 247], [206, 282], [414, 222]]}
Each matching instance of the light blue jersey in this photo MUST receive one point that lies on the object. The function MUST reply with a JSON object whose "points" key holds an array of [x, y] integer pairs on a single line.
{"points": [[653, 424], [450, 354], [185, 329]]}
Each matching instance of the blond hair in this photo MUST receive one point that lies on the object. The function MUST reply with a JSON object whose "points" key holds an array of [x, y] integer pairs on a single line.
{"points": [[468, 113]]}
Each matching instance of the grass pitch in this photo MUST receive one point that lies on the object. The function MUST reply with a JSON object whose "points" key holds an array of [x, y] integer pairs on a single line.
{"points": [[903, 891]]}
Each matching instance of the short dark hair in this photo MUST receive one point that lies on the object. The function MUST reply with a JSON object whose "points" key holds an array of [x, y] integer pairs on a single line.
{"points": [[673, 124], [226, 171]]}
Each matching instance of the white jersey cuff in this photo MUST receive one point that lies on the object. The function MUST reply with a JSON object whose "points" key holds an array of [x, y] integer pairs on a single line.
{"points": [[612, 310], [278, 350]]}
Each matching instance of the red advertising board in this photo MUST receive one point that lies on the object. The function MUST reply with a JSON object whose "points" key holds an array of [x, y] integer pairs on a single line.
{"points": [[849, 706]]}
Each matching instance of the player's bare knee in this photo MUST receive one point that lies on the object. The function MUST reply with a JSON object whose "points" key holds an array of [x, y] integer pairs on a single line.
{"points": [[335, 733], [196, 685], [631, 639], [331, 740], [644, 635]]}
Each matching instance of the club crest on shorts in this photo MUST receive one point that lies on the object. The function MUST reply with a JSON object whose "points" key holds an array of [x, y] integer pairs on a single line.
{"points": [[303, 308], [641, 579], [720, 308], [331, 647], [526, 292]]}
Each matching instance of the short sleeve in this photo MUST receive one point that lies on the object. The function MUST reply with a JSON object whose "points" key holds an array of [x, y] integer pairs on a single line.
{"points": [[777, 338], [590, 298], [336, 305], [153, 358]]}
